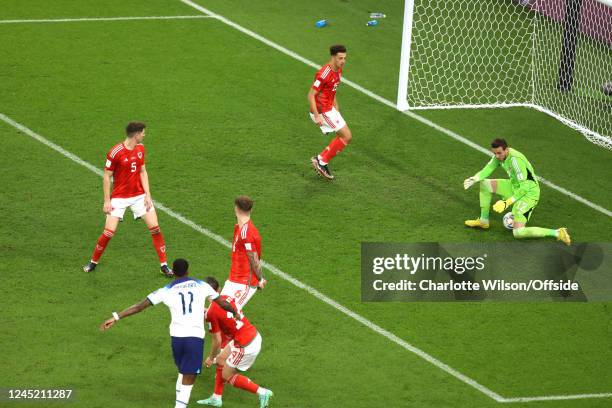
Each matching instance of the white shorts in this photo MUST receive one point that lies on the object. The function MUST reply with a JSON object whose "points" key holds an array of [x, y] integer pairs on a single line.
{"points": [[136, 204], [240, 292], [242, 358], [332, 121]]}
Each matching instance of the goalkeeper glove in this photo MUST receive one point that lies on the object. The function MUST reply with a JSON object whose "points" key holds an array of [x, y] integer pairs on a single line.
{"points": [[469, 182], [501, 205]]}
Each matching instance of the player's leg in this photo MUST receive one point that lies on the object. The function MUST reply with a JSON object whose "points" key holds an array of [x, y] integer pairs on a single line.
{"points": [[110, 226], [188, 354], [150, 219], [240, 292], [488, 187], [241, 359], [522, 210], [216, 399]]}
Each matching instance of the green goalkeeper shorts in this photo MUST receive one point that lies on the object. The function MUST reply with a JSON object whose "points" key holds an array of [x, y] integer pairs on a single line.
{"points": [[523, 208]]}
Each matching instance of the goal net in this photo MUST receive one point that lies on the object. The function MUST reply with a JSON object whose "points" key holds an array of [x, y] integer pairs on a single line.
{"points": [[551, 55]]}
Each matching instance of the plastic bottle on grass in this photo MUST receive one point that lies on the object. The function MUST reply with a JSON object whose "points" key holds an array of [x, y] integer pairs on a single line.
{"points": [[372, 23], [321, 23]]}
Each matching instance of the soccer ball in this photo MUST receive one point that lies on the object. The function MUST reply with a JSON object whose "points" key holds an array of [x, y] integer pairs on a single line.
{"points": [[607, 88], [509, 220]]}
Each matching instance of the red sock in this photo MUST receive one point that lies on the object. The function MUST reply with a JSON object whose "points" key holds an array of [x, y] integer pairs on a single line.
{"points": [[101, 244], [244, 383], [159, 243], [334, 147], [219, 381]]}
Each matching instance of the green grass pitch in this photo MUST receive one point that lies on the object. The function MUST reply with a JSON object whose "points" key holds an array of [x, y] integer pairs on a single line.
{"points": [[227, 115]]}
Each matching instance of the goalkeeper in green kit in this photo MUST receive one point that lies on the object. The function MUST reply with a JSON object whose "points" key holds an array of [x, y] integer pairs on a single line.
{"points": [[521, 191]]}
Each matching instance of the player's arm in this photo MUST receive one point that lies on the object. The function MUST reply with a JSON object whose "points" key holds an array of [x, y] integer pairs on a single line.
{"points": [[144, 179], [106, 187], [482, 174], [227, 306], [255, 264], [313, 106], [137, 308], [214, 349]]}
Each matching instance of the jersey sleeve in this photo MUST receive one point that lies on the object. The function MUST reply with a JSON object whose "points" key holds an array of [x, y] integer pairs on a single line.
{"points": [[488, 169], [110, 162], [317, 85], [249, 241], [209, 292], [158, 296], [213, 323]]}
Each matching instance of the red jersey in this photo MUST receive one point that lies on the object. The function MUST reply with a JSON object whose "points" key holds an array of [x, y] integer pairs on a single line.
{"points": [[126, 165], [326, 82], [246, 239], [241, 331]]}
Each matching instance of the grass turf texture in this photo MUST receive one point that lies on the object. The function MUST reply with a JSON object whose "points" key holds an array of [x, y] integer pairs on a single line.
{"points": [[227, 115]]}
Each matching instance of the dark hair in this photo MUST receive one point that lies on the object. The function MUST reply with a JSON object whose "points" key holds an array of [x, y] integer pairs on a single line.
{"points": [[180, 267], [334, 49], [212, 282], [244, 203], [134, 127], [499, 143]]}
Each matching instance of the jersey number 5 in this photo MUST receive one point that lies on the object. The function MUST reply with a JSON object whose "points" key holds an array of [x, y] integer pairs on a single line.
{"points": [[183, 301], [133, 167]]}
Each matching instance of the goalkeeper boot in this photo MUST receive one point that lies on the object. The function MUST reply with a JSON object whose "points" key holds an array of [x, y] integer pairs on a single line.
{"points": [[264, 398], [167, 272], [477, 223], [563, 235], [90, 267], [211, 402]]}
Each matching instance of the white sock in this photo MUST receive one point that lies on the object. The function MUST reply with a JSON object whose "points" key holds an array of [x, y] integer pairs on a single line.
{"points": [[321, 160], [179, 382], [216, 396], [261, 390], [182, 399]]}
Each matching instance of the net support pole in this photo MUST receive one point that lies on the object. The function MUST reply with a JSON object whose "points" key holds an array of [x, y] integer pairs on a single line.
{"points": [[402, 86], [573, 11]]}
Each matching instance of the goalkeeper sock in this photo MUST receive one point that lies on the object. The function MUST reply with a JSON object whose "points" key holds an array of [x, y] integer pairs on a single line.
{"points": [[334, 147], [101, 244], [533, 232], [485, 199]]}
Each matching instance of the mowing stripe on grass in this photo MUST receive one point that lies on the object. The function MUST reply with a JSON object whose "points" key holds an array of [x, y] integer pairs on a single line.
{"points": [[273, 269], [73, 20], [386, 102]]}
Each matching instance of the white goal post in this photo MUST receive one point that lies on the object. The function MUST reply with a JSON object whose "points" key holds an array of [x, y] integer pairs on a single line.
{"points": [[551, 55]]}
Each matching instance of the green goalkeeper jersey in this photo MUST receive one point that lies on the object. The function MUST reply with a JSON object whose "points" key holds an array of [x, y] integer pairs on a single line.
{"points": [[522, 176]]}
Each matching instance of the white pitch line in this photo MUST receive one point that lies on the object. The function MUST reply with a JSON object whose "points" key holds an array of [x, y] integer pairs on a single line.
{"points": [[386, 102], [558, 397], [73, 20], [276, 271]]}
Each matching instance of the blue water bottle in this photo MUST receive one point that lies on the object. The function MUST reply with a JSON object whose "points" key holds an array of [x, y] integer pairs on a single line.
{"points": [[372, 23], [321, 23]]}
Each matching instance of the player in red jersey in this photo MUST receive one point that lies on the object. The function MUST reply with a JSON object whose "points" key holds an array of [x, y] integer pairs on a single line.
{"points": [[324, 110], [245, 273], [239, 354], [125, 163]]}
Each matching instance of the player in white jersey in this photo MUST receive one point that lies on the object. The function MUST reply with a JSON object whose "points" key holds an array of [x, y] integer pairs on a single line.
{"points": [[185, 297]]}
